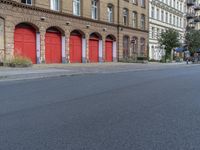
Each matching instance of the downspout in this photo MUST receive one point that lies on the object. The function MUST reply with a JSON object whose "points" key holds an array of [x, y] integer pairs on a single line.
{"points": [[118, 28]]}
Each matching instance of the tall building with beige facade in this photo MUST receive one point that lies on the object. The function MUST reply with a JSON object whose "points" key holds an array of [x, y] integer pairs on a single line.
{"points": [[165, 14], [74, 31]]}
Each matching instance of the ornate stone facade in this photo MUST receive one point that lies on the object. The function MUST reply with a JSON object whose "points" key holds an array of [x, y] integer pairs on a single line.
{"points": [[164, 14], [41, 18]]}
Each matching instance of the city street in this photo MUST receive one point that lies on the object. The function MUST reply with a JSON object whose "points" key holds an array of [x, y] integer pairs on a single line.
{"points": [[147, 109]]}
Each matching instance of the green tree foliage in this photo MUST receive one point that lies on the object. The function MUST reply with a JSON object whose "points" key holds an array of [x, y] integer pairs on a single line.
{"points": [[169, 39], [193, 40]]}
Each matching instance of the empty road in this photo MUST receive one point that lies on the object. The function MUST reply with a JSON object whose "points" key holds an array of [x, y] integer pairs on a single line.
{"points": [[133, 110]]}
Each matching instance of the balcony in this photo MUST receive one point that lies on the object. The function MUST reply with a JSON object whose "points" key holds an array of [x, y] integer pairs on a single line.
{"points": [[190, 2], [197, 19], [190, 15], [191, 25], [197, 7]]}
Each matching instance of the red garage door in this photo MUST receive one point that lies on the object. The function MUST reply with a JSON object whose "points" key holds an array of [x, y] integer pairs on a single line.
{"points": [[94, 50], [109, 51], [25, 42], [75, 49], [53, 47]]}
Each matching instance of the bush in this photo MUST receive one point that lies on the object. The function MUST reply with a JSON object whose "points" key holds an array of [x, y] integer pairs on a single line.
{"points": [[18, 61], [134, 60]]}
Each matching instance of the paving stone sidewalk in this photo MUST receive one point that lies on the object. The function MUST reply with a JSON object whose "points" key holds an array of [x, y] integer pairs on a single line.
{"points": [[56, 70]]}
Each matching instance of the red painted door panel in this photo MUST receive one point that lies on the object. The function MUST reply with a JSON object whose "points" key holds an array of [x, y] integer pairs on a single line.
{"points": [[25, 43], [109, 51], [75, 49], [94, 51], [53, 48]]}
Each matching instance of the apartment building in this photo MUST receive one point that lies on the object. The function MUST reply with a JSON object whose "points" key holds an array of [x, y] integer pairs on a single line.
{"points": [[193, 15], [165, 14], [74, 31]]}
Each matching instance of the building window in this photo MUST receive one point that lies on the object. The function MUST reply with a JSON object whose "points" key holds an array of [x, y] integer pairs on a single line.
{"points": [[94, 9], [125, 47], [55, 5], [110, 13], [134, 42], [143, 22], [162, 16], [134, 19], [142, 3], [152, 12], [125, 16], [166, 17], [152, 32], [174, 20], [158, 14], [142, 46], [134, 2], [170, 18], [77, 7], [158, 33], [180, 22], [28, 2]]}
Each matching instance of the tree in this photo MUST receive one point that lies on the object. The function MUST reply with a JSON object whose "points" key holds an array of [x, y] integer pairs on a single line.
{"points": [[192, 40], [170, 40]]}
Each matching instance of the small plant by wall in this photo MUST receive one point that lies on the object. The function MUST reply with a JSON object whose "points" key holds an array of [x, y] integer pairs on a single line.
{"points": [[18, 61]]}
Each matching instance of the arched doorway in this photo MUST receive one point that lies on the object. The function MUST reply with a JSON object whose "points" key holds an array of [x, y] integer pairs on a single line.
{"points": [[25, 41], [53, 46], [94, 45], [75, 43], [109, 45]]}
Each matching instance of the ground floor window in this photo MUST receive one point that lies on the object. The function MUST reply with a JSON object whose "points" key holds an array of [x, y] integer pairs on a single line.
{"points": [[125, 47], [1, 34]]}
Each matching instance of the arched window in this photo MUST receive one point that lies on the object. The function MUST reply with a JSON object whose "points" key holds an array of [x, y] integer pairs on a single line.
{"points": [[94, 9], [125, 16], [1, 34], [110, 12], [125, 47], [76, 7]]}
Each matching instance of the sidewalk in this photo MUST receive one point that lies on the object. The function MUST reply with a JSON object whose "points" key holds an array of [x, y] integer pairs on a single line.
{"points": [[56, 70]]}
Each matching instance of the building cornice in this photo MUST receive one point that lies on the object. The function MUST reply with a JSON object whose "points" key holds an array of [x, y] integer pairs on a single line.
{"points": [[60, 13], [166, 7]]}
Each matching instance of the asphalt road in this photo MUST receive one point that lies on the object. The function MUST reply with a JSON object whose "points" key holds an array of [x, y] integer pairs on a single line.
{"points": [[144, 110]]}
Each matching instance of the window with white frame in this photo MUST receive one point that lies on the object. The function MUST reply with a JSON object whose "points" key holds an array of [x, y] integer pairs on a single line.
{"points": [[55, 5], [152, 12], [94, 9], [28, 2], [158, 13], [166, 17], [110, 13], [76, 7]]}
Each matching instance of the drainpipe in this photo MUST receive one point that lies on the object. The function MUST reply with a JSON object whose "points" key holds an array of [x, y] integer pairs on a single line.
{"points": [[118, 27]]}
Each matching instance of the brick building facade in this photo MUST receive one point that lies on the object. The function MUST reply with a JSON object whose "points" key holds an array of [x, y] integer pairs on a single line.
{"points": [[56, 31]]}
